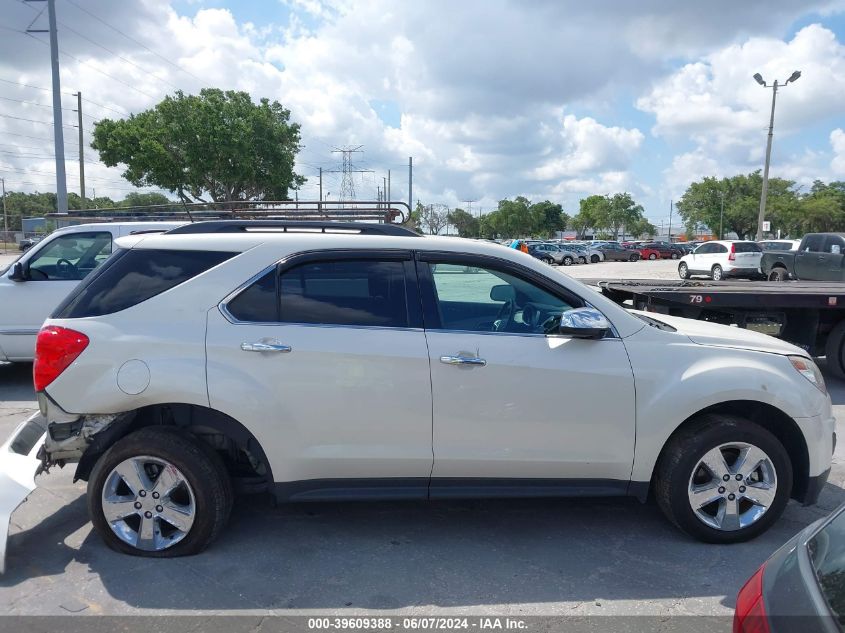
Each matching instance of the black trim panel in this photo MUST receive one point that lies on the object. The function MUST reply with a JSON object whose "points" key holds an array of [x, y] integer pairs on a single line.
{"points": [[403, 488], [814, 488]]}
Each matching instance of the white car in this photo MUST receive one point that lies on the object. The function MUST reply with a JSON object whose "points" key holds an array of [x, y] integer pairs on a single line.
{"points": [[343, 361], [718, 259], [35, 283]]}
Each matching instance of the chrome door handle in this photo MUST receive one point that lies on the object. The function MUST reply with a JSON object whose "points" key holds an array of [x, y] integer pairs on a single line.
{"points": [[265, 347], [463, 360]]}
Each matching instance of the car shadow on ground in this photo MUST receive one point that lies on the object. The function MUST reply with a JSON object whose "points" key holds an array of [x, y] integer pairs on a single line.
{"points": [[405, 554]]}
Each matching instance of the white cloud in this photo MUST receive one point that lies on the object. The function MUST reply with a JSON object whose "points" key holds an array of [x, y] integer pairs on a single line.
{"points": [[837, 164]]}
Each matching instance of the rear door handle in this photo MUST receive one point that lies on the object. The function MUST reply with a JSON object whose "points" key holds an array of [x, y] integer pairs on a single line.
{"points": [[265, 347], [463, 360]]}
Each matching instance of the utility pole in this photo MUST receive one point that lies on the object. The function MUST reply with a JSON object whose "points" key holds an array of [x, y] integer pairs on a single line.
{"points": [[410, 181], [671, 204], [320, 205], [5, 218], [721, 217], [58, 136], [81, 151], [388, 187]]}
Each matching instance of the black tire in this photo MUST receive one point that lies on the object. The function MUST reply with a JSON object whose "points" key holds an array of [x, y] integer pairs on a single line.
{"points": [[652, 256], [199, 463], [634, 258], [717, 274], [582, 260], [567, 261], [549, 261], [778, 274], [674, 256], [683, 452], [595, 259], [683, 271], [835, 350]]}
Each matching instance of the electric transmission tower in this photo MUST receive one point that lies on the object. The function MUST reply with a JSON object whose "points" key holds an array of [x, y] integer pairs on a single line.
{"points": [[347, 182]]}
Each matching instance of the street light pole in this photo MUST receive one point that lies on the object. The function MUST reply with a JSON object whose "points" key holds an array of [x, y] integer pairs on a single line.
{"points": [[721, 217], [765, 191]]}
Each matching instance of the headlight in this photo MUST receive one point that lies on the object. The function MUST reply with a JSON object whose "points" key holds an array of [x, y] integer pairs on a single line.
{"points": [[809, 370]]}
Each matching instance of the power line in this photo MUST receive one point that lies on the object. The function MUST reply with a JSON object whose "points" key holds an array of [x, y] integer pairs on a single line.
{"points": [[141, 44], [43, 105], [9, 116], [35, 138]]}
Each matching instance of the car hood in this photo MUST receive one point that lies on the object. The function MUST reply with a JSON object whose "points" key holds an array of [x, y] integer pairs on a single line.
{"points": [[715, 335]]}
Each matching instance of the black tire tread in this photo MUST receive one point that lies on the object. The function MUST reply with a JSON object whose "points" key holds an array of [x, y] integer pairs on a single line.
{"points": [[833, 350], [195, 459]]}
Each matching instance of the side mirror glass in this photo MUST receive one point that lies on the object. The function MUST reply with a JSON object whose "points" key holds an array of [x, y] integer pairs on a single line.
{"points": [[586, 323], [18, 272], [502, 292]]}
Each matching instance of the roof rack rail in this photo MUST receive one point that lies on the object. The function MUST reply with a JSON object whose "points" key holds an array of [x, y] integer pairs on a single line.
{"points": [[379, 211], [292, 226]]}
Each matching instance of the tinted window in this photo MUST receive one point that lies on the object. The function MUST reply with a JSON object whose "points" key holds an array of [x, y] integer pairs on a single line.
{"points": [[70, 257], [827, 553], [834, 245], [719, 248], [258, 302], [489, 300], [353, 292], [747, 247], [813, 244], [133, 276]]}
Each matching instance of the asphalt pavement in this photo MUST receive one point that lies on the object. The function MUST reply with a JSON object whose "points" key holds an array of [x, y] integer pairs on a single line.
{"points": [[524, 557]]}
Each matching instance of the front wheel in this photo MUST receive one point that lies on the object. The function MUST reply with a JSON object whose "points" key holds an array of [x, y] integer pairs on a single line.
{"points": [[549, 261], [674, 256], [778, 274], [634, 258], [683, 270], [582, 260], [567, 261], [723, 479], [159, 492], [717, 273], [595, 259], [652, 256]]}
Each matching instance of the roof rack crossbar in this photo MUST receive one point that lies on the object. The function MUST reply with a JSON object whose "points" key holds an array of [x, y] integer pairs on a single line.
{"points": [[285, 226]]}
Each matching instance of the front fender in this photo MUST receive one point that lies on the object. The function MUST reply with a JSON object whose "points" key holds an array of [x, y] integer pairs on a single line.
{"points": [[678, 380]]}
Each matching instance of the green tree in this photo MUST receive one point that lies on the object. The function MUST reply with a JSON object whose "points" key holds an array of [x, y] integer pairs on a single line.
{"points": [[466, 224], [216, 143], [547, 218], [522, 218], [622, 212], [702, 204], [145, 199], [592, 212]]}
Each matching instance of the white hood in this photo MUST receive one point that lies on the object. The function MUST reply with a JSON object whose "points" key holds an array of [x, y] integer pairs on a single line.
{"points": [[713, 334]]}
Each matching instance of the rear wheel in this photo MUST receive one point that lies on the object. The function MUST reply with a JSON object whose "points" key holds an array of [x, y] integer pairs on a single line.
{"points": [[723, 479], [674, 256], [549, 260], [634, 257], [582, 260], [778, 274], [595, 259], [683, 270], [716, 274], [835, 350], [159, 492], [652, 256], [567, 261]]}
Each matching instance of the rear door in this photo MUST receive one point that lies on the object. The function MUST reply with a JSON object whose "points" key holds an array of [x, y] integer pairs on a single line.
{"points": [[831, 259], [325, 360], [55, 268], [807, 259]]}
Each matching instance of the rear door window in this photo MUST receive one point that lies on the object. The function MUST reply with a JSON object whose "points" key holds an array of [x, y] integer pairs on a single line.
{"points": [[133, 276], [747, 247]]}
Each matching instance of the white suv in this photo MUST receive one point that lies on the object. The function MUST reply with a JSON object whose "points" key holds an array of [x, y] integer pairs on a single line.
{"points": [[34, 284], [332, 361], [720, 259]]}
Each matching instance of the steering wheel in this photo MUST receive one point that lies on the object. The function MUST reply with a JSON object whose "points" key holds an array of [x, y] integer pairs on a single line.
{"points": [[66, 269], [505, 315]]}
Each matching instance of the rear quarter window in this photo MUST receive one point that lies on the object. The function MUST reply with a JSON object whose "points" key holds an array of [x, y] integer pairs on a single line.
{"points": [[747, 247], [131, 277]]}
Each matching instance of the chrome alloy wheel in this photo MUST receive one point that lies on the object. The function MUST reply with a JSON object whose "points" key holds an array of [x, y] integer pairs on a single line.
{"points": [[732, 486], [148, 503]]}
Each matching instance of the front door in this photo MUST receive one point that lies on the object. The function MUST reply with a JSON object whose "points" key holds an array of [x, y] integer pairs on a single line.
{"points": [[517, 408], [325, 360], [54, 270]]}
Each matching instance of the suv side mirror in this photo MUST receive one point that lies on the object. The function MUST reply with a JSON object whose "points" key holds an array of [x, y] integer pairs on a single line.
{"points": [[18, 273], [586, 323]]}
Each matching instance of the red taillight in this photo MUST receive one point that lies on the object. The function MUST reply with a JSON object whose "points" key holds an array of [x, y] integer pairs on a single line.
{"points": [[55, 349], [750, 613], [732, 256]]}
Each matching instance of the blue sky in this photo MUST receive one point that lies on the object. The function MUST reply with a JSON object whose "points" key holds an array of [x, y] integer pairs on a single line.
{"points": [[552, 99]]}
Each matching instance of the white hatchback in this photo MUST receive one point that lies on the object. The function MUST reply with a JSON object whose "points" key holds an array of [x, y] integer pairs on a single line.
{"points": [[720, 259]]}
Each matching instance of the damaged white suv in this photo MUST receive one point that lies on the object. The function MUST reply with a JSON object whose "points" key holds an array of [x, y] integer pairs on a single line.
{"points": [[343, 361]]}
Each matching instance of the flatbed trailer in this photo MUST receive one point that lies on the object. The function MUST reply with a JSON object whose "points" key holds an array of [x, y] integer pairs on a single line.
{"points": [[809, 314]]}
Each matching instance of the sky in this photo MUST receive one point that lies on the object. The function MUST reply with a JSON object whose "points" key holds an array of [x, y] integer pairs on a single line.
{"points": [[549, 99]]}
